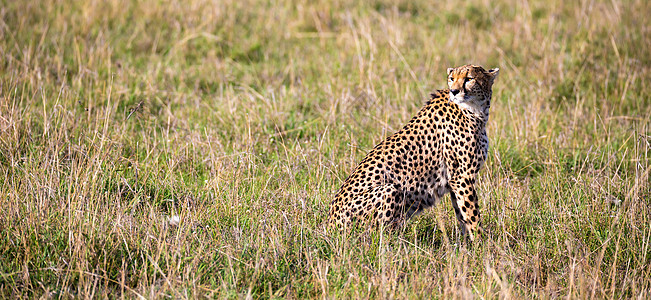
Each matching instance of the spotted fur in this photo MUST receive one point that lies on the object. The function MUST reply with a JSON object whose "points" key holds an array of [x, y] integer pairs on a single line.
{"points": [[440, 150]]}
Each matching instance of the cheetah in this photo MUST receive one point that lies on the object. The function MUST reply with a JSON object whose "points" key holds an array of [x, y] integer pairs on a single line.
{"points": [[440, 150]]}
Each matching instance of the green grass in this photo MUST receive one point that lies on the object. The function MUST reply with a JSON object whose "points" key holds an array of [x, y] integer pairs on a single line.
{"points": [[243, 118]]}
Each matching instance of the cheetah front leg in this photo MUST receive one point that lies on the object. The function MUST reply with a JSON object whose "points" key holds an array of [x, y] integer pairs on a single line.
{"points": [[466, 206]]}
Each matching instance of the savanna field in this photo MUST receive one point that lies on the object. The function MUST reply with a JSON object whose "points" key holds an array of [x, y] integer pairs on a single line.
{"points": [[184, 149]]}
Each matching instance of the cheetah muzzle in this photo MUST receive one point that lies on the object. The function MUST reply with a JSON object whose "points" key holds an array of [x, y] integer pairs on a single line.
{"points": [[440, 150]]}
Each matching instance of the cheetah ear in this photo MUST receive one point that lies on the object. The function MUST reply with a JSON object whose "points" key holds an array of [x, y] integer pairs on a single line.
{"points": [[450, 70], [494, 72]]}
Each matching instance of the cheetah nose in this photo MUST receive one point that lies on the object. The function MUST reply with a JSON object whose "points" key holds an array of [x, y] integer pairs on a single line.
{"points": [[454, 92]]}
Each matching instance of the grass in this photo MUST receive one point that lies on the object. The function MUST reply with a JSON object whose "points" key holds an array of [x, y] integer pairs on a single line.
{"points": [[242, 118]]}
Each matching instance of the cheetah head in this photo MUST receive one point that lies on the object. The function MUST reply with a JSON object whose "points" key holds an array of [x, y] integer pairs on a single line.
{"points": [[471, 87]]}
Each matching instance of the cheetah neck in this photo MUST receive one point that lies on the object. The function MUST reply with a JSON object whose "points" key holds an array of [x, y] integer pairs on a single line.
{"points": [[475, 112]]}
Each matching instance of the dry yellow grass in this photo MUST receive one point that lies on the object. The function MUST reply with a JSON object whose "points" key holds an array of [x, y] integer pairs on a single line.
{"points": [[242, 118]]}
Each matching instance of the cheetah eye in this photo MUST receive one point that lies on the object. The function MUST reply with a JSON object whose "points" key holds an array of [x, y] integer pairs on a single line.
{"points": [[451, 79], [470, 79]]}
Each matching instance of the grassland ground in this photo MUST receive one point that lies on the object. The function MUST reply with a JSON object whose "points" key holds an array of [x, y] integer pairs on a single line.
{"points": [[191, 148]]}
